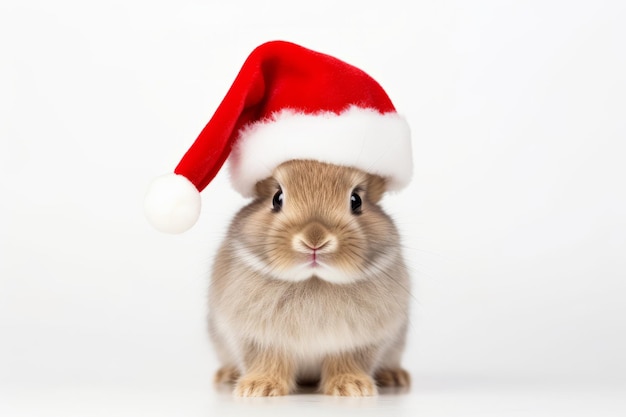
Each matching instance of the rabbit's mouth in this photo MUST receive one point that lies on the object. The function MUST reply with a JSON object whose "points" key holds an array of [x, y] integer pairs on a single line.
{"points": [[315, 259], [321, 266], [315, 266], [299, 267]]}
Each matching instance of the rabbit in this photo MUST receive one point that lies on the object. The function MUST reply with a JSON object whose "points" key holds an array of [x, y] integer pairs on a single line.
{"points": [[310, 285]]}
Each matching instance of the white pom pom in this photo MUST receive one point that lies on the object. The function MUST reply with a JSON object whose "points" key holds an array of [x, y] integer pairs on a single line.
{"points": [[172, 204]]}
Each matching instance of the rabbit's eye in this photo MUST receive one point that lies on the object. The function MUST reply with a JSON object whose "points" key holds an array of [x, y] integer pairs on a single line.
{"points": [[277, 201], [355, 203]]}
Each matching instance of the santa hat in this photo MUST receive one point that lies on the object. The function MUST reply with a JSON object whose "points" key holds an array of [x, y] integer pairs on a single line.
{"points": [[287, 102]]}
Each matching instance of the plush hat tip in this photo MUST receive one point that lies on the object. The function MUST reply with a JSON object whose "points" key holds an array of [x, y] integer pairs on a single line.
{"points": [[172, 203]]}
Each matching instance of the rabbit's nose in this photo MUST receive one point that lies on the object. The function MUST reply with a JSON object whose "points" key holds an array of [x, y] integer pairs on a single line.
{"points": [[315, 237]]}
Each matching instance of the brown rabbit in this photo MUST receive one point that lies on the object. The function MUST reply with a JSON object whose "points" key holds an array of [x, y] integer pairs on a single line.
{"points": [[310, 285]]}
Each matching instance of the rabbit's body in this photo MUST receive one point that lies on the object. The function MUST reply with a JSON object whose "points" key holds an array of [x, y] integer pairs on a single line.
{"points": [[306, 320], [310, 284]]}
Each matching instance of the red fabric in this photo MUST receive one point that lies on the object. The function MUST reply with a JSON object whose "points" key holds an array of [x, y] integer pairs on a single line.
{"points": [[278, 75]]}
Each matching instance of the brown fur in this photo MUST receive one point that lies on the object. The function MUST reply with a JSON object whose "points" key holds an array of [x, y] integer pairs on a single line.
{"points": [[268, 374], [392, 378], [347, 374], [275, 321]]}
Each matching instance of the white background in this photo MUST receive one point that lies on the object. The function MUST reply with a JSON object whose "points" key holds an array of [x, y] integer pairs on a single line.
{"points": [[514, 224]]}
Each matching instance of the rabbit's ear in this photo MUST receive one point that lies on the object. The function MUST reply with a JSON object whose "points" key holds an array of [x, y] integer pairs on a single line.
{"points": [[266, 188], [376, 187]]}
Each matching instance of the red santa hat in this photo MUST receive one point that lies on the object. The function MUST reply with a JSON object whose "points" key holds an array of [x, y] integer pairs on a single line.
{"points": [[287, 102]]}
